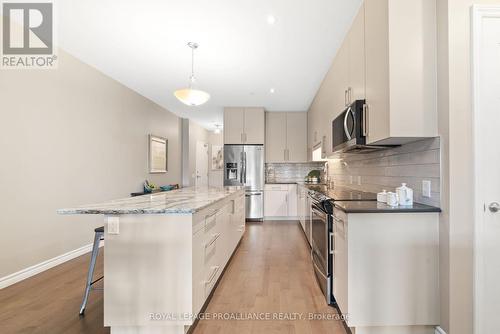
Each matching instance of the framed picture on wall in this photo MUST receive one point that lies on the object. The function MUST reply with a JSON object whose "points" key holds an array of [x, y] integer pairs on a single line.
{"points": [[217, 158], [158, 154]]}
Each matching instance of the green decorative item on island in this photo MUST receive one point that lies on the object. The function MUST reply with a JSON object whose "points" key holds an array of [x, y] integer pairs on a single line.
{"points": [[149, 187]]}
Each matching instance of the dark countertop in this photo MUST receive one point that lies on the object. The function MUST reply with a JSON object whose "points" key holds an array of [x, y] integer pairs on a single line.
{"points": [[295, 182], [377, 207]]}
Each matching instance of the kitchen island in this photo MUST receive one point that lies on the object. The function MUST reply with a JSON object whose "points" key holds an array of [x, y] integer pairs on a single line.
{"points": [[165, 253]]}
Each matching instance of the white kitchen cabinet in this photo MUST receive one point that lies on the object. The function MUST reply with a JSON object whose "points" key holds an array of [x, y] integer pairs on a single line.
{"points": [[254, 126], [190, 254], [244, 125], [234, 127], [275, 137], [340, 285], [356, 41], [286, 137], [301, 205], [280, 201], [388, 58], [376, 255], [292, 200], [296, 136], [275, 203], [400, 58]]}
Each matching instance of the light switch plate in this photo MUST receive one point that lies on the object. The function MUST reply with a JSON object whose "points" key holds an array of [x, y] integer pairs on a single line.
{"points": [[113, 225], [426, 188]]}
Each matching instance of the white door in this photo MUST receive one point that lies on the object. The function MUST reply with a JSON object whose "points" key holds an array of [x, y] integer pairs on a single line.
{"points": [[201, 177], [486, 63]]}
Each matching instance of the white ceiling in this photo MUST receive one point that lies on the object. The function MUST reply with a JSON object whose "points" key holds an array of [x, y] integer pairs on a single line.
{"points": [[142, 44]]}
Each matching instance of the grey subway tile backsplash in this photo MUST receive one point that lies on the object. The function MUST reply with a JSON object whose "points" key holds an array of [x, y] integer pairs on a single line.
{"points": [[411, 163], [291, 172]]}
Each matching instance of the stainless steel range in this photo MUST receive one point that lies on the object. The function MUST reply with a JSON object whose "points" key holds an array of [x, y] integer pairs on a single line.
{"points": [[322, 238]]}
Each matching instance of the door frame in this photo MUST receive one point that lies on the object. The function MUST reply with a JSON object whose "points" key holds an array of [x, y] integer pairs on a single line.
{"points": [[478, 13], [196, 165]]}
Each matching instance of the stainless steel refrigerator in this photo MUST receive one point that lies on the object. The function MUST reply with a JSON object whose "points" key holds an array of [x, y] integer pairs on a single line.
{"points": [[244, 166]]}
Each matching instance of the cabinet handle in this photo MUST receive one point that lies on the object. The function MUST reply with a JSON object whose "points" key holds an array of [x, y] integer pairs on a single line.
{"points": [[212, 275], [349, 95], [287, 155], [345, 97], [214, 239], [245, 135]]}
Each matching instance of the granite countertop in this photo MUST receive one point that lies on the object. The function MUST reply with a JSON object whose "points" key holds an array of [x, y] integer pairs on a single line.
{"points": [[377, 207], [182, 201]]}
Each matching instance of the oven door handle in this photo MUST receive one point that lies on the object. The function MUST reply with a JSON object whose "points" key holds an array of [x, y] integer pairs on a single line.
{"points": [[316, 266], [318, 211]]}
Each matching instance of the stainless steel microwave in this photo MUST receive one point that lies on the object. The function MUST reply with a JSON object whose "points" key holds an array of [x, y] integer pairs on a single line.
{"points": [[349, 130]]}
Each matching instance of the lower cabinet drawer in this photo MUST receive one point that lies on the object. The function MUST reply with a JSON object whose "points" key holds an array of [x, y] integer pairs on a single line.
{"points": [[216, 237], [211, 278]]}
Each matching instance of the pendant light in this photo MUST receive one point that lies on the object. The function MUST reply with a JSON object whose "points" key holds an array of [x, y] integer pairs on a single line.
{"points": [[191, 96], [217, 129]]}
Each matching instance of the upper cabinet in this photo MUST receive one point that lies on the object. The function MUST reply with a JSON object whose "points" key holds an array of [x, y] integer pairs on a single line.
{"points": [[388, 58], [356, 42], [244, 126], [400, 59], [286, 137]]}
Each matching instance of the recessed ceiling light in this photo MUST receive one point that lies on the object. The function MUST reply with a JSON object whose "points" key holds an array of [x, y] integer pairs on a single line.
{"points": [[271, 91], [271, 19]]}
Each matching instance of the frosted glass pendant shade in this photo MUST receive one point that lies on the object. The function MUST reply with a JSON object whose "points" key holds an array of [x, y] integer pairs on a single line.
{"points": [[192, 97]]}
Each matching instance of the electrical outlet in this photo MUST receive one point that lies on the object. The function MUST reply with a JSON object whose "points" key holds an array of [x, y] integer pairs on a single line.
{"points": [[113, 225], [426, 188]]}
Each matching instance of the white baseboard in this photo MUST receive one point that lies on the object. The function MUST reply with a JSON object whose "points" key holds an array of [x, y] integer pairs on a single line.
{"points": [[42, 266], [439, 330]]}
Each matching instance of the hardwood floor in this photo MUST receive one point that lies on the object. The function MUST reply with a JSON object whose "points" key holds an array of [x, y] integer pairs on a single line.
{"points": [[48, 303], [271, 272]]}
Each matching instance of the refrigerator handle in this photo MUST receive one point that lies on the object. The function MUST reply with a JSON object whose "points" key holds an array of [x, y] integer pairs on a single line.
{"points": [[241, 169], [245, 166]]}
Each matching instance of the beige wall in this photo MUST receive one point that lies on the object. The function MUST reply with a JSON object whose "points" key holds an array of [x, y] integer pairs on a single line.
{"points": [[455, 115], [70, 136]]}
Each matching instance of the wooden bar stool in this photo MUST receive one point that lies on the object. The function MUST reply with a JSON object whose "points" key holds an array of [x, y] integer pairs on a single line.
{"points": [[99, 235]]}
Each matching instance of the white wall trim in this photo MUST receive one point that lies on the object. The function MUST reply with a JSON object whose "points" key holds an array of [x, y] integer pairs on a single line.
{"points": [[439, 330], [42, 266], [478, 13]]}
